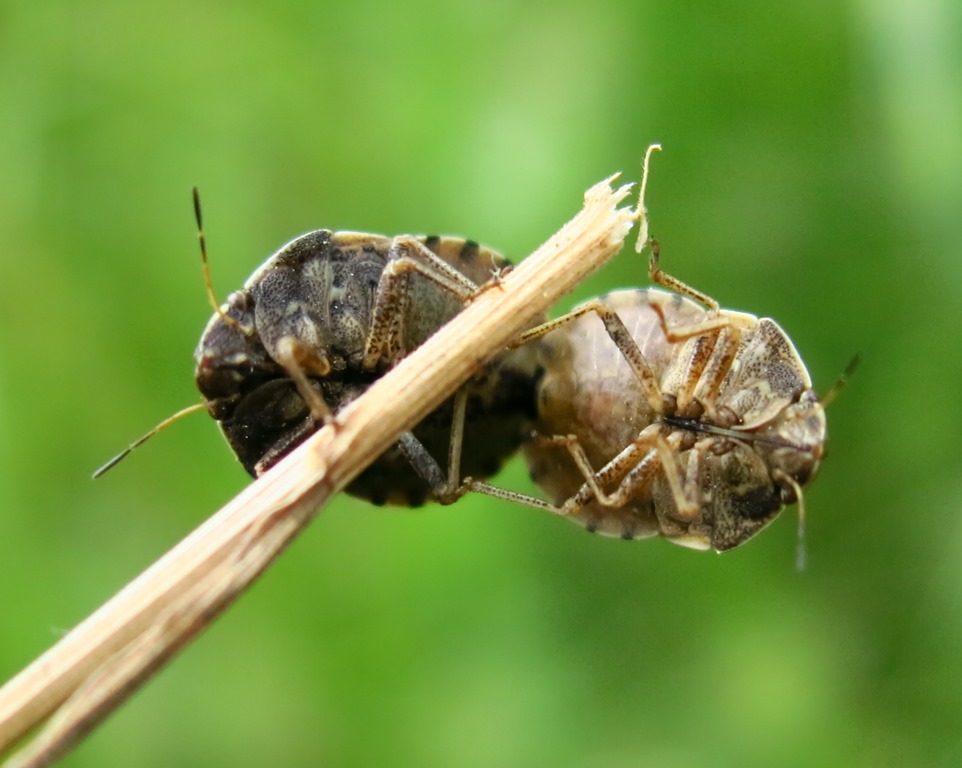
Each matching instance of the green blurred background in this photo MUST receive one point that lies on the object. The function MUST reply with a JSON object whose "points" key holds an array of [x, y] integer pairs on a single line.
{"points": [[812, 172]]}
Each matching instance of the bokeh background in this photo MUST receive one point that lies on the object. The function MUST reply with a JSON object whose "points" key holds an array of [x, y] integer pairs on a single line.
{"points": [[812, 172]]}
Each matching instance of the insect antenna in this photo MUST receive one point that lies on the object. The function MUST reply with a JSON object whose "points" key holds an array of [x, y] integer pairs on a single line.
{"points": [[801, 553], [144, 438], [208, 283], [841, 381]]}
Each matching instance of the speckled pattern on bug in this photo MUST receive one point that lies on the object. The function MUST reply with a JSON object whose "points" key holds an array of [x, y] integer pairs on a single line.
{"points": [[702, 440], [333, 310]]}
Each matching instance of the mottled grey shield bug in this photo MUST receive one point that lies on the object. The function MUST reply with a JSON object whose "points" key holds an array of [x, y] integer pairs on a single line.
{"points": [[661, 414], [326, 315], [323, 318]]}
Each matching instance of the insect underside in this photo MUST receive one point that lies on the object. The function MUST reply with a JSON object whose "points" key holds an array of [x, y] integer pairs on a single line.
{"points": [[658, 417]]}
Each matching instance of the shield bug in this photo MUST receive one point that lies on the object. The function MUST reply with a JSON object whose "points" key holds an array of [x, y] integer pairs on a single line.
{"points": [[325, 316], [662, 414]]}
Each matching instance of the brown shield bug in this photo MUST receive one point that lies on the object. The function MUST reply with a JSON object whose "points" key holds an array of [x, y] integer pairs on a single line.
{"points": [[662, 414], [325, 316], [322, 319]]}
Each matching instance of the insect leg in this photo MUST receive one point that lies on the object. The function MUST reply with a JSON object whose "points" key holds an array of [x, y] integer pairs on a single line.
{"points": [[385, 340], [410, 254], [444, 490], [297, 359], [594, 481], [645, 456], [656, 275], [657, 454], [704, 362], [511, 496], [283, 446], [685, 332], [637, 465], [622, 339]]}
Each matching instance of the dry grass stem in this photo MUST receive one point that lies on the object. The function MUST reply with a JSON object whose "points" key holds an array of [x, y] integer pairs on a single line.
{"points": [[94, 668]]}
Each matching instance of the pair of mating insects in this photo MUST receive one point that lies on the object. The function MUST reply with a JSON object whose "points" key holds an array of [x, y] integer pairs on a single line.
{"points": [[641, 413]]}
